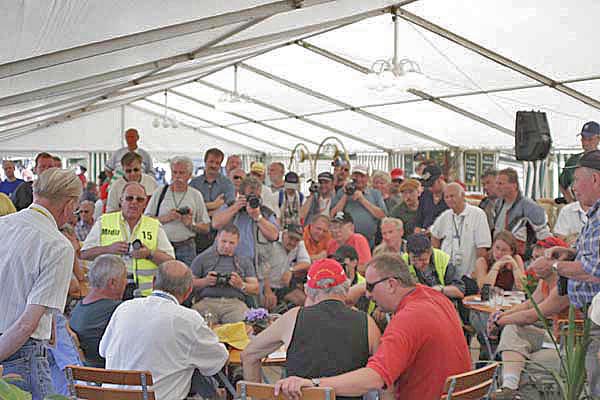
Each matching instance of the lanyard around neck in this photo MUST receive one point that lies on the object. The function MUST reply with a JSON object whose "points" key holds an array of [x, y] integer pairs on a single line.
{"points": [[44, 213], [164, 296]]}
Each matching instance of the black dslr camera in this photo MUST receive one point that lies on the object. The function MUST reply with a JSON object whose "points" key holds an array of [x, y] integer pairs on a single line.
{"points": [[135, 245], [253, 201], [314, 187], [223, 279], [183, 210], [350, 188]]}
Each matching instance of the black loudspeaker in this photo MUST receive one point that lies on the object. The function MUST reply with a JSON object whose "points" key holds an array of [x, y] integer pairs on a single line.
{"points": [[532, 136]]}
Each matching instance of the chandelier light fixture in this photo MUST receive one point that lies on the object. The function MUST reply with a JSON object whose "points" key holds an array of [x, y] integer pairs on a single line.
{"points": [[395, 74], [165, 121], [234, 101]]}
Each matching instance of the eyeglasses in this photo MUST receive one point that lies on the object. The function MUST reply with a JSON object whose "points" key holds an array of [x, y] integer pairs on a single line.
{"points": [[371, 286], [130, 170], [139, 199], [238, 177], [346, 169], [84, 211]]}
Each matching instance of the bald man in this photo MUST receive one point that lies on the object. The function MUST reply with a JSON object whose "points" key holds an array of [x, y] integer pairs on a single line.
{"points": [[462, 231], [131, 138]]}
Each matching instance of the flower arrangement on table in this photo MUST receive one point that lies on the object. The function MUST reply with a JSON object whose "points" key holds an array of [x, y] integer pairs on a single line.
{"points": [[258, 318], [530, 280]]}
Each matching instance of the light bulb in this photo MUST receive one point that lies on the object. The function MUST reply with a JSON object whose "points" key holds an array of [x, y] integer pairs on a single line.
{"points": [[165, 123], [174, 123], [156, 123]]}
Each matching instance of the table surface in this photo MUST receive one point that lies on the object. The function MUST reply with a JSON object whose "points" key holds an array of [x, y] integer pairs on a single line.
{"points": [[483, 307], [235, 358]]}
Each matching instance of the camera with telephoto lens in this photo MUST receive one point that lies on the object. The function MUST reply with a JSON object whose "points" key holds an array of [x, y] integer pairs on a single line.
{"points": [[183, 210], [253, 200], [223, 279], [350, 188], [135, 245], [314, 186]]}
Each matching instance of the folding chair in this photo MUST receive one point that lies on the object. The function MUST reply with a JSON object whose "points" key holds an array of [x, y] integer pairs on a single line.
{"points": [[264, 391], [472, 385], [116, 377]]}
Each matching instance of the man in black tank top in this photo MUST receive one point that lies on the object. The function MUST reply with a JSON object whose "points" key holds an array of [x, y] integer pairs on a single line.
{"points": [[324, 338]]}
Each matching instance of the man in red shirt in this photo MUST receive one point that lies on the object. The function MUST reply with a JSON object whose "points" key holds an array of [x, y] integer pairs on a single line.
{"points": [[342, 231], [422, 345]]}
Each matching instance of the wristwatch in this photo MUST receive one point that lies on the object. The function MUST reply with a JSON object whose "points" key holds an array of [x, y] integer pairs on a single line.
{"points": [[555, 266], [316, 382]]}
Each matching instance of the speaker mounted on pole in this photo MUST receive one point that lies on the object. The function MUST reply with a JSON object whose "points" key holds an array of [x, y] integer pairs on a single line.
{"points": [[532, 136]]}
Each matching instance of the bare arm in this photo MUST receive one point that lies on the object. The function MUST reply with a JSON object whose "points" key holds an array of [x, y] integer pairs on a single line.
{"points": [[553, 304], [371, 208], [567, 194], [222, 218], [482, 252], [374, 335], [435, 242], [339, 206], [118, 248], [306, 206], [21, 330], [268, 229], [574, 270]]}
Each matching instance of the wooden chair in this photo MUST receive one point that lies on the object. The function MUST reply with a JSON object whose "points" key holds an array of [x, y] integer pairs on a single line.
{"points": [[263, 391], [472, 385], [116, 377]]}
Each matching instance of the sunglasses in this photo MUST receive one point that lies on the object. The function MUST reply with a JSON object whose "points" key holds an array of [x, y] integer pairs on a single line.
{"points": [[139, 199], [371, 286], [130, 170], [84, 212], [238, 177]]}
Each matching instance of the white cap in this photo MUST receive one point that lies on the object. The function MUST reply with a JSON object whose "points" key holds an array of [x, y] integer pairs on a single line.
{"points": [[595, 312]]}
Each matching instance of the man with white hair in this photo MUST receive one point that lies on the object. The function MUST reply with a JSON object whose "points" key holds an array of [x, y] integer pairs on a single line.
{"points": [[35, 278], [181, 210], [132, 167], [108, 278], [462, 231], [139, 240], [311, 334], [86, 220]]}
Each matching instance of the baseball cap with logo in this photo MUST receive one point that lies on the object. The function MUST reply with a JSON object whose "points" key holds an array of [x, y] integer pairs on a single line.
{"points": [[591, 159], [325, 176], [291, 181], [397, 174], [551, 241], [430, 175], [258, 168], [360, 169], [343, 218], [326, 268], [590, 129]]}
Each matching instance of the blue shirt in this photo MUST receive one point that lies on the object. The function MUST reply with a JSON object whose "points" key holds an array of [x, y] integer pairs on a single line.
{"points": [[8, 187], [428, 211], [588, 253], [364, 222], [211, 190]]}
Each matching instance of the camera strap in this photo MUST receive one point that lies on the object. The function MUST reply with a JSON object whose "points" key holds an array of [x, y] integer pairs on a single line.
{"points": [[160, 199]]}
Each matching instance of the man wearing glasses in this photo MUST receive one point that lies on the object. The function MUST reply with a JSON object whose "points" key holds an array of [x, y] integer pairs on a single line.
{"points": [[422, 345], [132, 166], [236, 176], [139, 239], [86, 220]]}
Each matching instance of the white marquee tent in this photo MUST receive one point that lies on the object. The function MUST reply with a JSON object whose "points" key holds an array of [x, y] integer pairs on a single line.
{"points": [[75, 73]]}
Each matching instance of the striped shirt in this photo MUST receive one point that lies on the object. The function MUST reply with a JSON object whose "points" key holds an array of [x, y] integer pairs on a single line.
{"points": [[588, 253], [36, 262]]}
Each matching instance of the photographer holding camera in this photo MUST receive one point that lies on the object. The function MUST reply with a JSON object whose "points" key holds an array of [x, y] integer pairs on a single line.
{"points": [[181, 210], [319, 200], [138, 239], [255, 221], [365, 205], [222, 280]]}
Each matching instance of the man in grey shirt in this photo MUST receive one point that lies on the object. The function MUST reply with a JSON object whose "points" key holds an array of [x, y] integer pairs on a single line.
{"points": [[222, 280], [131, 138]]}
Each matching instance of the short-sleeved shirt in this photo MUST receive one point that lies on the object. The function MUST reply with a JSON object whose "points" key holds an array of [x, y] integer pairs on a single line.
{"points": [[82, 229], [358, 242], [36, 264], [462, 235], [571, 220], [89, 322], [422, 345], [364, 222], [407, 216], [116, 190], [211, 190], [7, 187], [582, 293], [428, 210], [210, 260], [279, 261], [566, 177], [313, 247], [176, 231], [114, 164]]}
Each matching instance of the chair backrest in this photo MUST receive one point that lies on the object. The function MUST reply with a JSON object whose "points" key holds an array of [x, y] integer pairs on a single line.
{"points": [[469, 385], [263, 391], [116, 377]]}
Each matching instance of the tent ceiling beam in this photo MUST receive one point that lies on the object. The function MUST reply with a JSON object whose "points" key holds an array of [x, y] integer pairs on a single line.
{"points": [[425, 96], [217, 125], [151, 36], [498, 58], [339, 103], [240, 116], [304, 119]]}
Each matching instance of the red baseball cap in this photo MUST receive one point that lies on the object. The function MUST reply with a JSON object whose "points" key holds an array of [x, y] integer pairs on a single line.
{"points": [[326, 268], [552, 241], [397, 173]]}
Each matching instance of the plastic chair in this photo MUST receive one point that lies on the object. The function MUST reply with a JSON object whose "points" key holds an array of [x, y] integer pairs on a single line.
{"points": [[262, 391], [476, 384], [116, 377]]}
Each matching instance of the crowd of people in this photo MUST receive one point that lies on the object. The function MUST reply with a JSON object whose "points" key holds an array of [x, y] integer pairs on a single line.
{"points": [[367, 269]]}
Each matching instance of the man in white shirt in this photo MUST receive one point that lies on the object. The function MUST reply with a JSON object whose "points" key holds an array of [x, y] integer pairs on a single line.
{"points": [[570, 221], [131, 138], [36, 262], [157, 334], [132, 167], [461, 231]]}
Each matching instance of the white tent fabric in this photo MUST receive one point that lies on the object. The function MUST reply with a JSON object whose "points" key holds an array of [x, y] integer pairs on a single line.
{"points": [[74, 73]]}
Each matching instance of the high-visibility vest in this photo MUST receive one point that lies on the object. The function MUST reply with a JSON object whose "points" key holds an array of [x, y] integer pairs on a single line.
{"points": [[440, 262], [112, 225]]}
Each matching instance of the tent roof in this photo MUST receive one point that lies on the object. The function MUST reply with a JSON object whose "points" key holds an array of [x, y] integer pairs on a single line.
{"points": [[74, 74]]}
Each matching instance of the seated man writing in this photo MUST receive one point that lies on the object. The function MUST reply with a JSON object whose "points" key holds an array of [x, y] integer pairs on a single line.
{"points": [[324, 338], [222, 280]]}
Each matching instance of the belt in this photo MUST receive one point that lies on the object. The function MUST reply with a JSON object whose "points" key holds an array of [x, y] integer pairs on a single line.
{"points": [[183, 242]]}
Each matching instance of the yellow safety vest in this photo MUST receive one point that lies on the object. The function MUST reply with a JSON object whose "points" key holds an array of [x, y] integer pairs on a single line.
{"points": [[440, 262], [112, 227]]}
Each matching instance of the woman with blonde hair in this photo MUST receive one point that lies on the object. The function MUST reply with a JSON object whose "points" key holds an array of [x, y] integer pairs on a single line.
{"points": [[381, 181], [6, 206], [503, 267]]}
